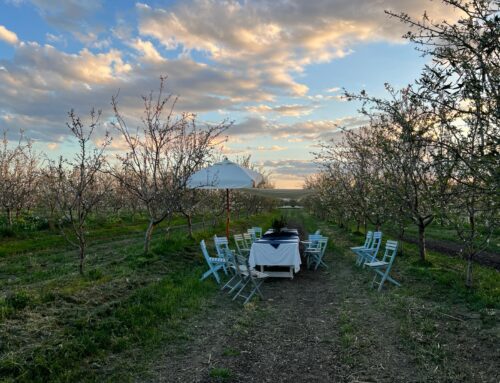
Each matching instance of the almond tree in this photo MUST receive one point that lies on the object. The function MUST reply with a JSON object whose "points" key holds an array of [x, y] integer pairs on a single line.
{"points": [[18, 175], [162, 154], [75, 183], [406, 127], [463, 80]]}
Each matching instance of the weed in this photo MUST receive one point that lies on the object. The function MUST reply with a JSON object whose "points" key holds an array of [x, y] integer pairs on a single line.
{"points": [[221, 374]]}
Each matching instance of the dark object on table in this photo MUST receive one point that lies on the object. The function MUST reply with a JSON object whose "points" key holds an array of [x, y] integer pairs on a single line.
{"points": [[278, 224], [283, 234]]}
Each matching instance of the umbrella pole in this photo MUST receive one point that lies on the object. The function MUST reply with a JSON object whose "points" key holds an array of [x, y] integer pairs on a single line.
{"points": [[227, 211]]}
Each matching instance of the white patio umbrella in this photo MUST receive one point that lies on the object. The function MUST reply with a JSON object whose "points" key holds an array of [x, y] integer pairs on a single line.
{"points": [[225, 175]]}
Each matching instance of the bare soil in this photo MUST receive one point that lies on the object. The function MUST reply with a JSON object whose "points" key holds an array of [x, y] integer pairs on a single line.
{"points": [[330, 326]]}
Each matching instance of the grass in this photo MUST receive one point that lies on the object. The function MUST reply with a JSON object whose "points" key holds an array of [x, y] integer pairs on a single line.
{"points": [[56, 325], [433, 317]]}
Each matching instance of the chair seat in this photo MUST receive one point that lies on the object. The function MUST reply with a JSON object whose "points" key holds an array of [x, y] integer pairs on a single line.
{"points": [[217, 260], [376, 264], [359, 248], [259, 274], [313, 251]]}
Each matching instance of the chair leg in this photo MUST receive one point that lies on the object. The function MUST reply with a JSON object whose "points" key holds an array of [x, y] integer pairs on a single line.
{"points": [[209, 272], [245, 283]]}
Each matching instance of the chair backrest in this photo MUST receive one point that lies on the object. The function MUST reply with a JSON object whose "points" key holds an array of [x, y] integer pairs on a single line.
{"points": [[252, 234], [391, 249], [376, 241], [313, 239], [248, 240], [368, 240], [323, 243], [205, 252], [221, 244], [317, 232], [258, 232], [240, 243]]}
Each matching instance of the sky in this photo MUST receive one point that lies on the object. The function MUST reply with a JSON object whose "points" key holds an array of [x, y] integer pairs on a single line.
{"points": [[276, 69]]}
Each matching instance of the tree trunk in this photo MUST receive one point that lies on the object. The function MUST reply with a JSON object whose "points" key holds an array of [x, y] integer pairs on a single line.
{"points": [[421, 240], [190, 225], [147, 238], [358, 226], [9, 217], [82, 258], [468, 276]]}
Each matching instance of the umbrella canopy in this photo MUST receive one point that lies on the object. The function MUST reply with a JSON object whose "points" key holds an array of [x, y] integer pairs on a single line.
{"points": [[225, 175]]}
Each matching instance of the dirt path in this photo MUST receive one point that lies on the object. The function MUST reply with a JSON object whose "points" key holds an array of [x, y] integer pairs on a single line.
{"points": [[323, 326]]}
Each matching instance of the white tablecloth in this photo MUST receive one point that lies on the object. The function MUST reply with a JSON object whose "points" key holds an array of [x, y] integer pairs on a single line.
{"points": [[286, 254]]}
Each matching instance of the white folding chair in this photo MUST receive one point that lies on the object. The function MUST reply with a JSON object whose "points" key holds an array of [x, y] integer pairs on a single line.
{"points": [[248, 240], [251, 279], [383, 267], [241, 246], [316, 252]]}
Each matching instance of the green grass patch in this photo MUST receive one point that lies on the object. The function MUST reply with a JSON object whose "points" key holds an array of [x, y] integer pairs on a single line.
{"points": [[221, 374]]}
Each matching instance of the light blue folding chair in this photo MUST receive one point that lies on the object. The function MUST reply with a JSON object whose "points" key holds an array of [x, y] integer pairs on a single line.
{"points": [[367, 244], [253, 235], [223, 251], [382, 267], [214, 264], [258, 232], [220, 244], [316, 252], [364, 255]]}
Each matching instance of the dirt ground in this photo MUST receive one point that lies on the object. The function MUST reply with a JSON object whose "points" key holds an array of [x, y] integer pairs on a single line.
{"points": [[329, 326]]}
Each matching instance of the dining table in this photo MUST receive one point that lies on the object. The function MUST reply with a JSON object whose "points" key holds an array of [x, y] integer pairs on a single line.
{"points": [[277, 251]]}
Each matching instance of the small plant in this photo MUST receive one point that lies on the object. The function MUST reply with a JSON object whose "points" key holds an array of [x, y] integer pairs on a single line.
{"points": [[278, 224], [221, 374]]}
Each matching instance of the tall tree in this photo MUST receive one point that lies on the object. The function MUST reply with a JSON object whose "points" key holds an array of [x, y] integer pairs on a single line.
{"points": [[75, 183], [162, 154], [18, 175], [463, 81]]}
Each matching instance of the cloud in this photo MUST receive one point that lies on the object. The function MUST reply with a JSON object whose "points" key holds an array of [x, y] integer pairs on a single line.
{"points": [[294, 110], [262, 148], [147, 50], [226, 56], [276, 40], [333, 90], [290, 173], [309, 130], [75, 16], [8, 36]]}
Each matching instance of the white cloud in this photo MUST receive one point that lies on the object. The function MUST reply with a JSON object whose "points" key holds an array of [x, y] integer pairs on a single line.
{"points": [[8, 36], [147, 50]]}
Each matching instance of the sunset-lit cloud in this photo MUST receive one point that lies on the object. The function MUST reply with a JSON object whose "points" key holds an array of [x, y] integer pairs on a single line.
{"points": [[275, 68], [8, 36]]}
